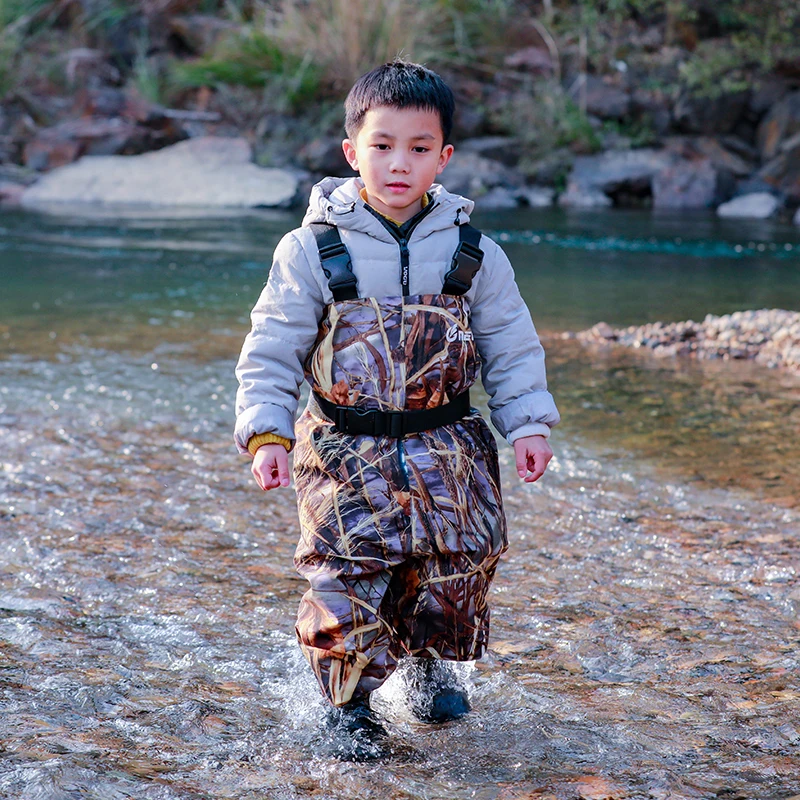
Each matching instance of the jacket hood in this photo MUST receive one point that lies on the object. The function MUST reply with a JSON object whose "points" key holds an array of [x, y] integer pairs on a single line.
{"points": [[337, 201]]}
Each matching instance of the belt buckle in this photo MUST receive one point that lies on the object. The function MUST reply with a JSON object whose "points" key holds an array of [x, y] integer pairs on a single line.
{"points": [[340, 419], [395, 424], [359, 418]]}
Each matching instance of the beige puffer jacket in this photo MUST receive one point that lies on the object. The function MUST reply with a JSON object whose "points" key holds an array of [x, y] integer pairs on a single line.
{"points": [[285, 318]]}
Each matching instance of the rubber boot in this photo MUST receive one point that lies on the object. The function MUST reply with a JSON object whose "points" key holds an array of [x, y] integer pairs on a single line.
{"points": [[354, 732], [436, 693]]}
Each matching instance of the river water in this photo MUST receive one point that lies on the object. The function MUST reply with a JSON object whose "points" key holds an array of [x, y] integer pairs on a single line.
{"points": [[645, 619]]}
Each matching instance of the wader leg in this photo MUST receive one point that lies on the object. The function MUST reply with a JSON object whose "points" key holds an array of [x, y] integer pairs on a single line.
{"points": [[442, 607], [351, 648]]}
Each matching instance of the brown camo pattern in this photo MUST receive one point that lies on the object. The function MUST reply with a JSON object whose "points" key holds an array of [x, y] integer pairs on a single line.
{"points": [[399, 540]]}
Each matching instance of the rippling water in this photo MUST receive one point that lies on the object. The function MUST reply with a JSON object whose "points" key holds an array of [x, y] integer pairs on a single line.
{"points": [[645, 632]]}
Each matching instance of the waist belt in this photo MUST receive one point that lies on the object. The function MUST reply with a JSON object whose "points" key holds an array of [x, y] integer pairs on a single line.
{"points": [[352, 420]]}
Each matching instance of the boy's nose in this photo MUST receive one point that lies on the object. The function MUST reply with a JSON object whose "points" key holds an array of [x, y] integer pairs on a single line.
{"points": [[399, 164]]}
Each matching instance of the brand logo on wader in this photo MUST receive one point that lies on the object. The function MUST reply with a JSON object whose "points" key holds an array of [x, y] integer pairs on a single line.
{"points": [[454, 333]]}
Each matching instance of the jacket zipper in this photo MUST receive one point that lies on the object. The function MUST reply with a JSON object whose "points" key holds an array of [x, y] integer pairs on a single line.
{"points": [[402, 240]]}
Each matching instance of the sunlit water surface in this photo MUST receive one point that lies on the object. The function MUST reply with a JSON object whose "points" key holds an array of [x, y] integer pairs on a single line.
{"points": [[645, 634]]}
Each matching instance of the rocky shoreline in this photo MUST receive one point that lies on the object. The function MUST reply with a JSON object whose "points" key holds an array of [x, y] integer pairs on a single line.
{"points": [[744, 165], [768, 336]]}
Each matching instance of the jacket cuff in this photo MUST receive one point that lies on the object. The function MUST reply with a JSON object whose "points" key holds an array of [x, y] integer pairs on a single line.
{"points": [[533, 408], [263, 418], [254, 442], [532, 429]]}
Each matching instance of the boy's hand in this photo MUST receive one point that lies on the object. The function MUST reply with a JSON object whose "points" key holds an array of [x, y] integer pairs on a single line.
{"points": [[533, 455], [270, 466]]}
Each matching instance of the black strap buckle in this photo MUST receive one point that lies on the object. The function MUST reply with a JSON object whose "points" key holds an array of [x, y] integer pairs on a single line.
{"points": [[468, 258], [340, 418], [335, 261], [395, 424]]}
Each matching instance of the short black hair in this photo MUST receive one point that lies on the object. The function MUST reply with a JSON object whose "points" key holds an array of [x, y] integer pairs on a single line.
{"points": [[399, 84]]}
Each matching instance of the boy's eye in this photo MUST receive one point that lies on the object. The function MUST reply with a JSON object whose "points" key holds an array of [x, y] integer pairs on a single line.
{"points": [[421, 149], [382, 146]]}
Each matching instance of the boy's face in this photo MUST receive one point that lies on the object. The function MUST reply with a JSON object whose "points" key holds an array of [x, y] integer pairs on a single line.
{"points": [[398, 152]]}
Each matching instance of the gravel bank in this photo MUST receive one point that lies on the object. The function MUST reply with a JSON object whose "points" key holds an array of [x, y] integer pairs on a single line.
{"points": [[771, 336]]}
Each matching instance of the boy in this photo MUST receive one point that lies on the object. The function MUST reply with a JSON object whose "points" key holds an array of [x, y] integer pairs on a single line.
{"points": [[389, 303]]}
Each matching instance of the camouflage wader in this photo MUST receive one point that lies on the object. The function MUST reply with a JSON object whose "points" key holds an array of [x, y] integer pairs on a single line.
{"points": [[400, 538]]}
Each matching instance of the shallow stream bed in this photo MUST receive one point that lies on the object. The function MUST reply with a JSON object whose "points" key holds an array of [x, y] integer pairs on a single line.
{"points": [[645, 619]]}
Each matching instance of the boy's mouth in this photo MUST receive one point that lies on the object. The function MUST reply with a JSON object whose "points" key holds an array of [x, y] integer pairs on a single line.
{"points": [[397, 186]]}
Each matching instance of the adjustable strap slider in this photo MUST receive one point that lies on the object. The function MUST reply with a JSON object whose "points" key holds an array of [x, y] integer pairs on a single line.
{"points": [[395, 424], [340, 418], [467, 259]]}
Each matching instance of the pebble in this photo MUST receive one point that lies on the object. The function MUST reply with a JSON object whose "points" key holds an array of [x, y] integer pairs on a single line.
{"points": [[770, 336]]}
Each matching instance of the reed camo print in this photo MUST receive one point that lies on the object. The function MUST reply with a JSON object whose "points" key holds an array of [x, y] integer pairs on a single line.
{"points": [[400, 539]]}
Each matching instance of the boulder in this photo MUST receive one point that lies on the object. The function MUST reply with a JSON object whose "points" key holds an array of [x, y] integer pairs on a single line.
{"points": [[783, 174], [709, 115], [740, 147], [536, 196], [758, 205], [96, 136], [605, 100], [685, 184], [10, 193], [714, 150], [505, 149], [324, 155], [472, 175], [607, 174], [203, 172], [766, 93], [549, 169], [654, 107], [780, 123], [499, 197], [578, 196]]}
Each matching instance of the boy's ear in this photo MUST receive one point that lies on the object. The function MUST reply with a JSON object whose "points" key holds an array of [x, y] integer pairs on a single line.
{"points": [[444, 157], [350, 153]]}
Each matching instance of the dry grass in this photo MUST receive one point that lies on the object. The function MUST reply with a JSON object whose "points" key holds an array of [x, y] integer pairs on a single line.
{"points": [[346, 38]]}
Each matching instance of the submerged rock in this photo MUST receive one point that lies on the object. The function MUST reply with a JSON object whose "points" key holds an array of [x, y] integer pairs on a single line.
{"points": [[769, 336], [202, 172], [757, 205]]}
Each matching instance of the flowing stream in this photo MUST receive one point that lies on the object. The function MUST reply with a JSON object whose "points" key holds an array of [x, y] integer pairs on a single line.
{"points": [[645, 619]]}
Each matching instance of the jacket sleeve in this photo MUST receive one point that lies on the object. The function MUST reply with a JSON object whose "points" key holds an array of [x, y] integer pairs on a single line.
{"points": [[513, 358], [284, 328]]}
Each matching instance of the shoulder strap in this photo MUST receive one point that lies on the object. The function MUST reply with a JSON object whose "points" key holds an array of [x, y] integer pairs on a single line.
{"points": [[467, 260], [335, 261]]}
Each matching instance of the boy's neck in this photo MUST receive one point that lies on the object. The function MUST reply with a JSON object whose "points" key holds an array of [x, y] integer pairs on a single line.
{"points": [[423, 201]]}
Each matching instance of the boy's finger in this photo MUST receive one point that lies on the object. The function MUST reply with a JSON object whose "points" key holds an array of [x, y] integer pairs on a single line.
{"points": [[537, 468], [283, 472]]}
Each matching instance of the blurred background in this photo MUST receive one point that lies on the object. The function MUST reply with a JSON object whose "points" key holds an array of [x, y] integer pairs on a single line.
{"points": [[711, 86]]}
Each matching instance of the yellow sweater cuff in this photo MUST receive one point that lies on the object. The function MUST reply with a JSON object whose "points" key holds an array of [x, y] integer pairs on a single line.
{"points": [[255, 441]]}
